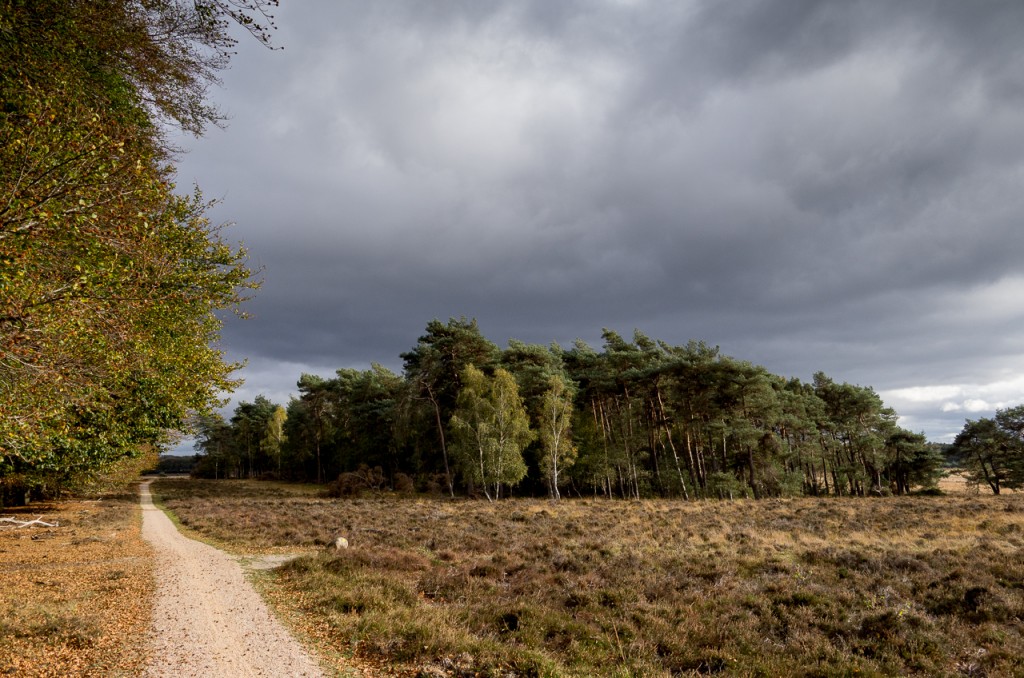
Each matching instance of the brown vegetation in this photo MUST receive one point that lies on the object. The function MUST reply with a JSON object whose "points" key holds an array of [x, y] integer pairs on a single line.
{"points": [[75, 599], [899, 585]]}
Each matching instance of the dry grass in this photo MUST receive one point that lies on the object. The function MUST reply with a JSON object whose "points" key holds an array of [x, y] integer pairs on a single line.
{"points": [[75, 599], [955, 482], [891, 586]]}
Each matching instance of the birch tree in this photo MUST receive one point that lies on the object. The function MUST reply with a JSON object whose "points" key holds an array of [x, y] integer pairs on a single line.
{"points": [[491, 428], [558, 452]]}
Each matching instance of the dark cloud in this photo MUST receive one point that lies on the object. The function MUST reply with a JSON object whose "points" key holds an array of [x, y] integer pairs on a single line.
{"points": [[812, 185]]}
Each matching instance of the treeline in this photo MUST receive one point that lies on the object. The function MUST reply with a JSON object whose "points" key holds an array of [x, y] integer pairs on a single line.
{"points": [[636, 419], [172, 464]]}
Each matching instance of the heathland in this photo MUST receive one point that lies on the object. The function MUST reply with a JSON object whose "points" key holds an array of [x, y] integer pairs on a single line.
{"points": [[928, 585]]}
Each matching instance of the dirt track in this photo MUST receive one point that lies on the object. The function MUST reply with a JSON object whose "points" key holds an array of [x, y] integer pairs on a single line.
{"points": [[208, 620]]}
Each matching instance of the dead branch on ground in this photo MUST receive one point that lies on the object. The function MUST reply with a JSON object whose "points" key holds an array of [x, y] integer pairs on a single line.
{"points": [[27, 523]]}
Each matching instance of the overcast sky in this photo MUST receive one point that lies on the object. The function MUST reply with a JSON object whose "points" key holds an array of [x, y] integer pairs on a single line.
{"points": [[811, 185]]}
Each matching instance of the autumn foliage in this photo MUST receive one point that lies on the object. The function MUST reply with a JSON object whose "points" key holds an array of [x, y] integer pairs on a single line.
{"points": [[108, 277]]}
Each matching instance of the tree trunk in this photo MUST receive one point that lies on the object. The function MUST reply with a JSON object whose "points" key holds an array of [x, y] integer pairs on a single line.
{"points": [[668, 434], [483, 475], [444, 446], [750, 467]]}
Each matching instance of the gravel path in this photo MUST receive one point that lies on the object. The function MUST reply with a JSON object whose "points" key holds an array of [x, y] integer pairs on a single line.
{"points": [[208, 620]]}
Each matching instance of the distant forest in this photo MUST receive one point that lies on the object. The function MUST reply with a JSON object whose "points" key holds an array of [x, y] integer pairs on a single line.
{"points": [[637, 419]]}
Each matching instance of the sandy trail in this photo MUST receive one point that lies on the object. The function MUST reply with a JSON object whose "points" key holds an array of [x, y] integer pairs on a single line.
{"points": [[208, 620]]}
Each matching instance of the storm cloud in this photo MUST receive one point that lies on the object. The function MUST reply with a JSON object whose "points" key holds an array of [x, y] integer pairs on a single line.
{"points": [[810, 184]]}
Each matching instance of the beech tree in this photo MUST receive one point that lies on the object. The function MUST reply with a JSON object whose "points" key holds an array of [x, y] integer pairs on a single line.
{"points": [[109, 278]]}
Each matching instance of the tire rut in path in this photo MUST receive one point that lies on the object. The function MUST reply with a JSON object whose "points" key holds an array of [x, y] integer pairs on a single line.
{"points": [[207, 619]]}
